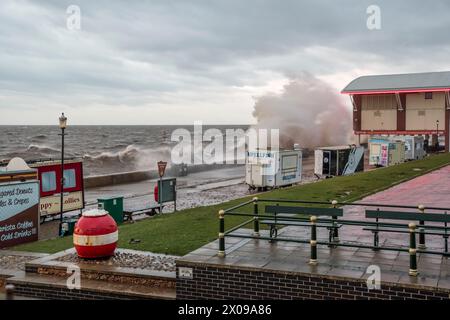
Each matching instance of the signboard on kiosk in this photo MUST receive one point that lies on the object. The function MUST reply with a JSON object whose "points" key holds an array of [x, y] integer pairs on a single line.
{"points": [[51, 204], [19, 212], [48, 172]]}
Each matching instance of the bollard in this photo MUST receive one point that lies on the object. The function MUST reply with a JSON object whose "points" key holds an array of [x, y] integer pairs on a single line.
{"points": [[412, 250], [9, 291], [221, 252], [255, 219], [313, 242], [422, 229], [335, 230]]}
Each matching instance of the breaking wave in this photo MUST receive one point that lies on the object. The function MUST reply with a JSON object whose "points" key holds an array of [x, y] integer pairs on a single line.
{"points": [[42, 149], [130, 158], [39, 137]]}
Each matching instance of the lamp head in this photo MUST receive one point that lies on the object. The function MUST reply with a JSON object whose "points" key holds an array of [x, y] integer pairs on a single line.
{"points": [[62, 121]]}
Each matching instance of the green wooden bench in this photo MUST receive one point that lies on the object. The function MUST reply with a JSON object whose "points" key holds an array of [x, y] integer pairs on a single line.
{"points": [[422, 218], [282, 215]]}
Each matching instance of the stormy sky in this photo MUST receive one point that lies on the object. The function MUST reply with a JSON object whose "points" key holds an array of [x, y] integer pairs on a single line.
{"points": [[174, 62]]}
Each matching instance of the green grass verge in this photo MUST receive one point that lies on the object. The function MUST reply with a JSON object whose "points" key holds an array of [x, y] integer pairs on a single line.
{"points": [[186, 230]]}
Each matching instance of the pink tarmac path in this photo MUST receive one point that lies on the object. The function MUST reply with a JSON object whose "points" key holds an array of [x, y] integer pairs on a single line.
{"points": [[431, 190]]}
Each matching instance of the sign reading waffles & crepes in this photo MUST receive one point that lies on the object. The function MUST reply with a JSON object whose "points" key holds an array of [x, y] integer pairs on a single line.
{"points": [[19, 213]]}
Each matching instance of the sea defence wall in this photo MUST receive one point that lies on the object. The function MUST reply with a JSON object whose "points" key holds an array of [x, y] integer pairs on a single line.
{"points": [[136, 176]]}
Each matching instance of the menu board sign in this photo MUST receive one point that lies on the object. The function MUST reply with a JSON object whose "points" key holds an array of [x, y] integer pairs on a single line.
{"points": [[19, 213]]}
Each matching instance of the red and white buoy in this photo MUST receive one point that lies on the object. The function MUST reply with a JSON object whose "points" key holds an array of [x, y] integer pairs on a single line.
{"points": [[95, 234]]}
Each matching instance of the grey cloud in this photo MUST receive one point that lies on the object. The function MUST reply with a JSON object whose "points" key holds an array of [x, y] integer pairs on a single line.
{"points": [[139, 49]]}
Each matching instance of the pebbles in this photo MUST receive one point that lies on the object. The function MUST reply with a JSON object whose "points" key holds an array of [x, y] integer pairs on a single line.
{"points": [[14, 262], [145, 261]]}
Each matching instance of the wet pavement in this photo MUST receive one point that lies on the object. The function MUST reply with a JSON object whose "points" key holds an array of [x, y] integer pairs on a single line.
{"points": [[431, 190]]}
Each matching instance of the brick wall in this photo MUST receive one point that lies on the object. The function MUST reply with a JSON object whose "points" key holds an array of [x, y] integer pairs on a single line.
{"points": [[227, 283], [43, 292]]}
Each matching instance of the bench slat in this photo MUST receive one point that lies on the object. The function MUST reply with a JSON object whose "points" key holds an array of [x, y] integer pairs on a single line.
{"points": [[297, 223], [406, 231], [338, 212], [410, 216]]}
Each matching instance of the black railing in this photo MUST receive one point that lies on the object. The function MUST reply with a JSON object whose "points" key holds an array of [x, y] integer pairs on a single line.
{"points": [[333, 224]]}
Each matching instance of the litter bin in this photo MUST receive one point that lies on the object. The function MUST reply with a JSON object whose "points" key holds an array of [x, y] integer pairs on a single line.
{"points": [[168, 190], [114, 206], [68, 226]]}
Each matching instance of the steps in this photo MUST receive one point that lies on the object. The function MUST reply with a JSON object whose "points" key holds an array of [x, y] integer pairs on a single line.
{"points": [[54, 287]]}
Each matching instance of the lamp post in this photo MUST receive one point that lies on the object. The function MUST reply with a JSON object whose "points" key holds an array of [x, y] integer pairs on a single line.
{"points": [[437, 135], [62, 126]]}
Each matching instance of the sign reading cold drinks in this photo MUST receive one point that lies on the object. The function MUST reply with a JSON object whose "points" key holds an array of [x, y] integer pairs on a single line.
{"points": [[19, 213]]}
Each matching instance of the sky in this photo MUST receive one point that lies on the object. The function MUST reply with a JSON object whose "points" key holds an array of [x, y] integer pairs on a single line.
{"points": [[176, 62]]}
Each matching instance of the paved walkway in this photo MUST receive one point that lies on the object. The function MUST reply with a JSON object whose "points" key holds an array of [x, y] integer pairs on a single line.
{"points": [[432, 189]]}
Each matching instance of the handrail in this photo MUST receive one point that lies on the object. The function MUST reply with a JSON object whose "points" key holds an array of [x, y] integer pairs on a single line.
{"points": [[238, 226], [241, 205], [340, 221]]}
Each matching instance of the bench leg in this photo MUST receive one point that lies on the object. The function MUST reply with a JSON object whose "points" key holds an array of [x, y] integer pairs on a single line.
{"points": [[313, 241], [335, 231], [273, 233], [376, 240], [331, 238], [446, 244], [422, 239]]}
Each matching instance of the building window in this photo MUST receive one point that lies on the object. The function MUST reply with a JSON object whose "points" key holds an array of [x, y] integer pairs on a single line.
{"points": [[428, 95], [69, 178], [48, 181]]}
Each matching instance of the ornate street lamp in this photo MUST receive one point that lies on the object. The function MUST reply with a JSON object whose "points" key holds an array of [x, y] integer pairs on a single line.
{"points": [[62, 126]]}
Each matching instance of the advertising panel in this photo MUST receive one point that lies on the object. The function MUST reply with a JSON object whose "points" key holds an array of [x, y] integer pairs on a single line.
{"points": [[51, 204], [19, 213]]}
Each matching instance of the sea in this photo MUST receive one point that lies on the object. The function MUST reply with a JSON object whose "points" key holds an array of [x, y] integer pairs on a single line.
{"points": [[104, 149]]}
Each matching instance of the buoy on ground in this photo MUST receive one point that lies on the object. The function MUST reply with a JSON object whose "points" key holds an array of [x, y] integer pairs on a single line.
{"points": [[95, 234]]}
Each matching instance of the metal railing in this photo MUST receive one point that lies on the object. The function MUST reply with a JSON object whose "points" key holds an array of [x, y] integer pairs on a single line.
{"points": [[255, 216]]}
